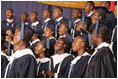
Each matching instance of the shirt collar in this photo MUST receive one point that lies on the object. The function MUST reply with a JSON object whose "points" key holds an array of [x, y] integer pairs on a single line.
{"points": [[78, 58], [35, 41], [76, 21], [58, 19], [8, 20], [35, 23], [43, 60], [104, 44], [91, 13], [47, 20]]}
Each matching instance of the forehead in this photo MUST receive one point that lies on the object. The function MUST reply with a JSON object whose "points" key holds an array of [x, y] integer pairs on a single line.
{"points": [[9, 30], [8, 11], [23, 14], [33, 13], [45, 11]]}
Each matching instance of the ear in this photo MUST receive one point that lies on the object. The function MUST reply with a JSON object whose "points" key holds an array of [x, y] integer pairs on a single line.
{"points": [[60, 13], [44, 49], [52, 32], [64, 45], [100, 17]]}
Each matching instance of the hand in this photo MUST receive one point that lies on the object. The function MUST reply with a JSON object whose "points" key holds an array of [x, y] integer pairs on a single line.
{"points": [[50, 73]]}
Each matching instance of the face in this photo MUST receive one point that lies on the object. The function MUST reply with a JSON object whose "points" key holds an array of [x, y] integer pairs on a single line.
{"points": [[94, 17], [75, 14], [45, 14], [9, 14], [39, 48], [48, 32], [115, 11], [10, 35], [24, 17], [76, 45], [104, 4], [79, 25], [59, 45], [57, 13], [62, 29], [16, 38], [88, 7], [93, 38], [33, 17]]}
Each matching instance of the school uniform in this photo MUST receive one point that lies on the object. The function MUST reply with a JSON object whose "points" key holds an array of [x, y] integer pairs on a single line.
{"points": [[101, 63], [36, 26], [78, 66], [57, 24], [22, 65], [42, 66], [8, 23], [46, 22], [4, 62], [60, 64], [74, 27], [68, 36], [33, 45], [50, 42]]}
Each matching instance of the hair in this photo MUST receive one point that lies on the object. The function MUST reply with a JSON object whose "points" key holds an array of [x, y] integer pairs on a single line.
{"points": [[67, 43], [60, 9], [103, 31], [91, 2], [108, 2], [25, 13], [84, 39], [79, 11], [27, 35], [4, 45], [66, 25], [103, 14], [35, 13], [12, 30], [10, 9]]}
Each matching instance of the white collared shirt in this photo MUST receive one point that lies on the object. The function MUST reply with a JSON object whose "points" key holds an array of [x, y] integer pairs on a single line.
{"points": [[78, 57], [34, 42], [43, 60], [8, 20], [62, 36], [91, 13], [58, 19], [104, 44], [76, 21], [47, 20], [35, 23]]}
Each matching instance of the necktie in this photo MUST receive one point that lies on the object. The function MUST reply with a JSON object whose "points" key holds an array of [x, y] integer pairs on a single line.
{"points": [[9, 50]]}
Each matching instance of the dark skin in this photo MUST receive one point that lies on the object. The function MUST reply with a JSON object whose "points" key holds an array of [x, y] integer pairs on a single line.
{"points": [[59, 47], [34, 37], [46, 14], [95, 16], [75, 14], [78, 45], [79, 25], [88, 7], [48, 32], [33, 17], [10, 35], [96, 40], [24, 18], [57, 13], [39, 50], [9, 14], [17, 41], [62, 29], [105, 4]]}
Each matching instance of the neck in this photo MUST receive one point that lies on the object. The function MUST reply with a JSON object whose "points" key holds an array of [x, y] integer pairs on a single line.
{"points": [[10, 18], [61, 52], [9, 40], [26, 21], [41, 55], [81, 51], [34, 21], [34, 39], [76, 18], [99, 42], [90, 11], [16, 47], [22, 46], [46, 18], [50, 36]]}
